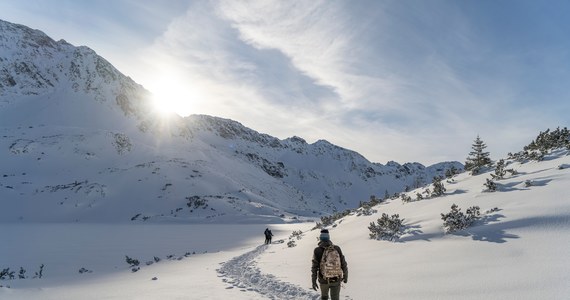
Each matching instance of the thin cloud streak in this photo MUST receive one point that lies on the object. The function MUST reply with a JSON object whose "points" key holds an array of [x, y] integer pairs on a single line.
{"points": [[393, 80], [392, 88]]}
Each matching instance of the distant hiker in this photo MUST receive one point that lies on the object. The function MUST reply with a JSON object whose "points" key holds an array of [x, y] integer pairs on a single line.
{"points": [[329, 266], [268, 235]]}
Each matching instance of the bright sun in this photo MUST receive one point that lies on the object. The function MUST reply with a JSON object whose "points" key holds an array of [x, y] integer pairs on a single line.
{"points": [[170, 96]]}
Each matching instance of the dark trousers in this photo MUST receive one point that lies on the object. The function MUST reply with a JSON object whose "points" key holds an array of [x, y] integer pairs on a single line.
{"points": [[333, 288]]}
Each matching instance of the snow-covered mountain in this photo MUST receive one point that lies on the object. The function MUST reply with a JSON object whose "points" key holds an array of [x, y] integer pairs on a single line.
{"points": [[80, 141], [516, 249]]}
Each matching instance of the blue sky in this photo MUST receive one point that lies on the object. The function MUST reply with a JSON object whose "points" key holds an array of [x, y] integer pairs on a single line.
{"points": [[393, 80]]}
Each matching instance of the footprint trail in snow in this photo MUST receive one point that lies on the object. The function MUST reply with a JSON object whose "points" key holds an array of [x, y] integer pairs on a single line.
{"points": [[241, 272]]}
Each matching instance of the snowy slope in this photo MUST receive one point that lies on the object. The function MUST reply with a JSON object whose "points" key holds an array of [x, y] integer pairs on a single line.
{"points": [[81, 142], [517, 252]]}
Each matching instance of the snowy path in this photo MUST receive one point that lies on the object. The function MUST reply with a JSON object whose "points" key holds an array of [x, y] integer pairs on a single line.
{"points": [[241, 272]]}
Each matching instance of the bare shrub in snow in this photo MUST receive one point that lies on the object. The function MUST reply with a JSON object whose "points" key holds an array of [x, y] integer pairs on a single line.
{"points": [[456, 220], [386, 228], [291, 244]]}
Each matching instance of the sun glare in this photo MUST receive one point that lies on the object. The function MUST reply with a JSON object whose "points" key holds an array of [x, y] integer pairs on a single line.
{"points": [[171, 96]]}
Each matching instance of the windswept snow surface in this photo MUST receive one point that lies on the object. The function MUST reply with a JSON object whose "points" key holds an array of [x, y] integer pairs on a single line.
{"points": [[519, 251]]}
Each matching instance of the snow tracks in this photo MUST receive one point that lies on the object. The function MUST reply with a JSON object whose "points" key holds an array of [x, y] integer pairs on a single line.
{"points": [[241, 272]]}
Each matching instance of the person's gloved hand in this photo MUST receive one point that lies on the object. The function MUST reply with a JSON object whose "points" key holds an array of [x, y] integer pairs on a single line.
{"points": [[315, 286], [345, 279]]}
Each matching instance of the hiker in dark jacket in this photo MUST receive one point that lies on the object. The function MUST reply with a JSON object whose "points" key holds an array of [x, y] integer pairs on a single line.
{"points": [[268, 236], [330, 284]]}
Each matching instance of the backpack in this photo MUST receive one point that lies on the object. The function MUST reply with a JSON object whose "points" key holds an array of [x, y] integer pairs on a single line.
{"points": [[330, 263]]}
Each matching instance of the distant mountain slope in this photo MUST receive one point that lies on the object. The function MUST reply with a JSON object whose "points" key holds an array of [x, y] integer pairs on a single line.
{"points": [[81, 142]]}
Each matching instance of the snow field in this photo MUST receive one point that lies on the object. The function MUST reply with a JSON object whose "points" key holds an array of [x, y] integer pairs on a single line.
{"points": [[517, 252]]}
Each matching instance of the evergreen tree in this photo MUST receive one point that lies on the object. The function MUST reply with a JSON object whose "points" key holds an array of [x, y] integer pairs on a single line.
{"points": [[438, 188], [478, 158], [388, 228], [490, 185], [500, 171], [456, 220], [451, 172]]}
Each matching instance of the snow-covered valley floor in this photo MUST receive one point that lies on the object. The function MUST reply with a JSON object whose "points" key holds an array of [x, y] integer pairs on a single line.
{"points": [[519, 251]]}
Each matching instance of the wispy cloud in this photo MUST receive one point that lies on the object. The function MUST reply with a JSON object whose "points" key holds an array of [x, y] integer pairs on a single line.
{"points": [[411, 81]]}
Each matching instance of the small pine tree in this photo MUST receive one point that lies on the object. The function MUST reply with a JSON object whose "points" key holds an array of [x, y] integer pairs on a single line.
{"points": [[477, 158], [4, 273], [386, 228], [451, 172], [131, 261], [456, 220], [22, 273], [490, 185], [501, 171], [419, 197], [438, 188], [406, 198], [40, 272], [427, 192]]}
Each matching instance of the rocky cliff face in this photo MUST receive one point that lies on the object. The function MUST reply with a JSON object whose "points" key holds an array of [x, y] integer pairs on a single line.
{"points": [[81, 140]]}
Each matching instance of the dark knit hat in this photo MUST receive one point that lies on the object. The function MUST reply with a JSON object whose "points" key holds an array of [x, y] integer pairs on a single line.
{"points": [[325, 236]]}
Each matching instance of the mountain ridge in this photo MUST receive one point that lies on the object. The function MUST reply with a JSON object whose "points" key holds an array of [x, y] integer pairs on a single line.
{"points": [[84, 142]]}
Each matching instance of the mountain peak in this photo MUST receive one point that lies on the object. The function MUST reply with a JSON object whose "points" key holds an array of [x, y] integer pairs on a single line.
{"points": [[83, 142]]}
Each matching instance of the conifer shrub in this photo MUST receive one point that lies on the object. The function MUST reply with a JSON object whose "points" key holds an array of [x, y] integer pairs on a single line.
{"points": [[366, 208], [490, 185], [544, 143], [438, 188], [456, 220], [419, 197], [297, 234], [449, 173], [40, 272], [84, 270], [405, 198], [329, 220], [6, 274], [132, 261], [388, 228]]}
